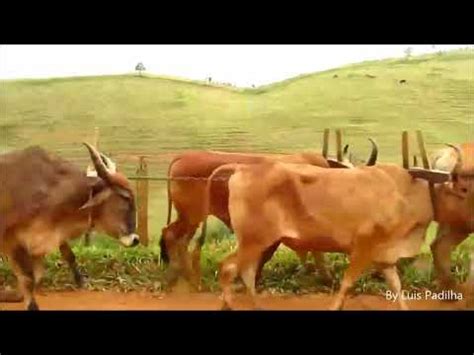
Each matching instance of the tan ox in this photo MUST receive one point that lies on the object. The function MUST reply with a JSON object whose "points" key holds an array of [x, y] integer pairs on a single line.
{"points": [[449, 236], [188, 174], [375, 214]]}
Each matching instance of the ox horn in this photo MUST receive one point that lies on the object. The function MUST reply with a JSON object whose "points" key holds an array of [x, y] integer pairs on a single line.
{"points": [[111, 166], [458, 165], [99, 165], [374, 154]]}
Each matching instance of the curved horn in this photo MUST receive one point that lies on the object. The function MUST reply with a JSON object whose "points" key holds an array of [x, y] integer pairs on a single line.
{"points": [[374, 154], [99, 165], [458, 165], [109, 163]]}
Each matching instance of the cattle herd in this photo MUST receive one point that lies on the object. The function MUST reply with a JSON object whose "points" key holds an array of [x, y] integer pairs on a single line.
{"points": [[375, 212]]}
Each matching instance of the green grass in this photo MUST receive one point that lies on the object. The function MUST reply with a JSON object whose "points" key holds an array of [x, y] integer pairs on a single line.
{"points": [[160, 116], [110, 266]]}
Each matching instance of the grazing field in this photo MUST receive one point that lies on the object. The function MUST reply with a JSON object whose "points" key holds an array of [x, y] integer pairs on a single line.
{"points": [[160, 117]]}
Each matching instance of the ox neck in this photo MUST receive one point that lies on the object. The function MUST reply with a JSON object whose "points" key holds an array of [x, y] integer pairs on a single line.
{"points": [[451, 207]]}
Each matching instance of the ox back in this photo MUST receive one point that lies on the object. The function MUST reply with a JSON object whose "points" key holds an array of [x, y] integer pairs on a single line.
{"points": [[27, 182]]}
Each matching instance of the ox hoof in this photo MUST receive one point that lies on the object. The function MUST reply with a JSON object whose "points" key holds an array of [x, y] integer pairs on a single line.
{"points": [[80, 280], [33, 306], [171, 277], [326, 280], [404, 308], [240, 289], [226, 307], [335, 307]]}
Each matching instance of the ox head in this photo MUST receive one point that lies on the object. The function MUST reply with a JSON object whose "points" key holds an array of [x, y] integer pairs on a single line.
{"points": [[112, 201], [461, 179]]}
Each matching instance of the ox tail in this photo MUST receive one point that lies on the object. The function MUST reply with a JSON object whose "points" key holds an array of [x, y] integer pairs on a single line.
{"points": [[168, 189], [163, 250], [226, 167], [374, 154], [223, 168]]}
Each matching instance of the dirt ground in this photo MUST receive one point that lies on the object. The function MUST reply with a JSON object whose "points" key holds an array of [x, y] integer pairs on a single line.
{"points": [[109, 300]]}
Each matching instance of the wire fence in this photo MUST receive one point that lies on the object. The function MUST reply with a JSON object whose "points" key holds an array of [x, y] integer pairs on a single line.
{"points": [[159, 156]]}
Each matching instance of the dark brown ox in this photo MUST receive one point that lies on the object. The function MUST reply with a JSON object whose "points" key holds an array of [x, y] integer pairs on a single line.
{"points": [[450, 235], [46, 201], [188, 197], [375, 214]]}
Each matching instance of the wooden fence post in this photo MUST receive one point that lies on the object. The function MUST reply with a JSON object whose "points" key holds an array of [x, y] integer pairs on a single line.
{"points": [[421, 146], [339, 144], [426, 165], [142, 202], [325, 143], [405, 153]]}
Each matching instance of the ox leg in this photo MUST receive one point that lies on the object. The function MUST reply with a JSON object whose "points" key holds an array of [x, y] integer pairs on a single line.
{"points": [[446, 240], [248, 265], [38, 270], [171, 239], [303, 256], [196, 257], [267, 255], [358, 263], [227, 274], [321, 267], [185, 257], [22, 265], [69, 257], [393, 280]]}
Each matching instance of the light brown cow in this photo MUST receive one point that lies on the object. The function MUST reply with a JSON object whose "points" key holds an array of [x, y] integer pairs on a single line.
{"points": [[46, 201], [375, 214], [449, 236], [188, 197]]}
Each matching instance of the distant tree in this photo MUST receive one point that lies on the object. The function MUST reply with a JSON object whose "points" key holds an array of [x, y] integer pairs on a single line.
{"points": [[408, 52], [139, 68]]}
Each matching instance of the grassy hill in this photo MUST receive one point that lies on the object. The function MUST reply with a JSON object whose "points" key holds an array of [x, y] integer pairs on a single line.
{"points": [[153, 115], [161, 116]]}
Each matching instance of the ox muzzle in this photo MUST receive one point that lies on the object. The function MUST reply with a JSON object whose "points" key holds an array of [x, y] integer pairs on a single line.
{"points": [[130, 240]]}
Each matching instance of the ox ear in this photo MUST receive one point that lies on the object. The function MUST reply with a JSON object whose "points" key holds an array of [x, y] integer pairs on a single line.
{"points": [[97, 199], [433, 176], [123, 192]]}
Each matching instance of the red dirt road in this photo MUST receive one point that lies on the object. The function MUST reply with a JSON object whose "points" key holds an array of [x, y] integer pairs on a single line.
{"points": [[109, 300]]}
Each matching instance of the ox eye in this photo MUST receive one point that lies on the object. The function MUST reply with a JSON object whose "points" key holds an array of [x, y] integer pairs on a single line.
{"points": [[464, 190]]}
